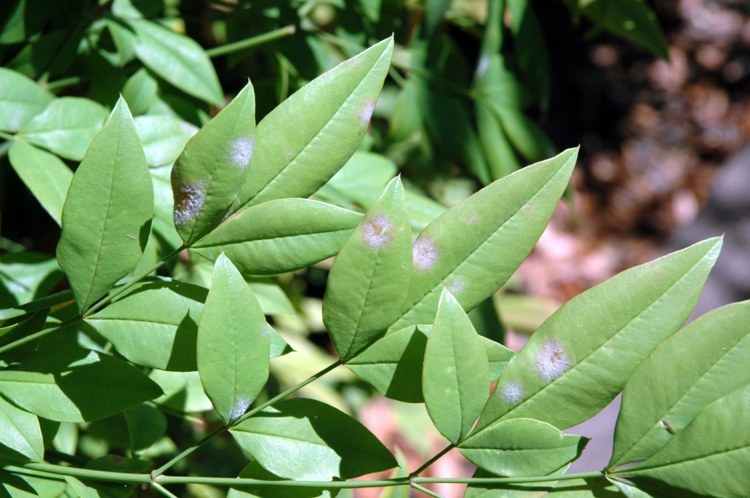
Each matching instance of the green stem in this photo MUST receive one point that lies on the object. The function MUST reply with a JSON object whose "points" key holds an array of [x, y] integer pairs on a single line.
{"points": [[7, 136], [35, 336], [131, 283], [65, 82], [158, 472], [432, 460], [425, 490], [251, 42], [161, 489], [506, 480]]}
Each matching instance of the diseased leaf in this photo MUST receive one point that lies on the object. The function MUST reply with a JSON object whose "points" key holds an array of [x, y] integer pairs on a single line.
{"points": [[699, 364], [20, 99], [178, 59], [522, 447], [108, 210], [45, 175], [474, 247], [584, 353], [233, 345], [154, 325], [309, 136], [20, 433], [72, 384], [66, 127], [455, 376], [280, 235], [368, 282], [211, 170], [710, 456], [304, 439]]}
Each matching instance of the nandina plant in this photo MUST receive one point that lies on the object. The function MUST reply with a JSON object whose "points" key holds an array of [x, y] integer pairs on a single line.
{"points": [[135, 339]]}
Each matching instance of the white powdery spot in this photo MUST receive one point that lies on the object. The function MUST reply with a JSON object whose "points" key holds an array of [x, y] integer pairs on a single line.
{"points": [[239, 408], [242, 151], [551, 360], [365, 112], [484, 64], [188, 202], [457, 285], [377, 232], [424, 253], [512, 392]]}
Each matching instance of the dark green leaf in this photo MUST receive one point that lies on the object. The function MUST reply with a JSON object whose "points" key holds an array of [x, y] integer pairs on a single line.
{"points": [[304, 439], [367, 284], [455, 376], [583, 354], [233, 343], [108, 211], [71, 384]]}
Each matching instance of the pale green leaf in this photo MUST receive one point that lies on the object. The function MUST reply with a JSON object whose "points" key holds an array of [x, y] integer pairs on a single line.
{"points": [[20, 432], [211, 170], [584, 353], [368, 282], [163, 137], [304, 439], [699, 364], [455, 375], [474, 247], [66, 127], [310, 135], [183, 391], [522, 447], [233, 345], [140, 91], [72, 384], [154, 325], [20, 100], [359, 181], [108, 211], [45, 175], [178, 59], [272, 298], [280, 235], [711, 455]]}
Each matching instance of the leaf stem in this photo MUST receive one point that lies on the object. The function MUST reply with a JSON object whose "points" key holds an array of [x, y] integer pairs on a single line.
{"points": [[158, 472], [506, 480], [425, 490], [119, 290], [432, 460], [161, 489], [62, 83], [251, 42], [35, 336]]}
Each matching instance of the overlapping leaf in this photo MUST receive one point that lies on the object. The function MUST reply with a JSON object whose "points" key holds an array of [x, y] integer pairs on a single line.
{"points": [[20, 100], [699, 364], [309, 136], [583, 354], [233, 343], [108, 210], [368, 282], [20, 433]]}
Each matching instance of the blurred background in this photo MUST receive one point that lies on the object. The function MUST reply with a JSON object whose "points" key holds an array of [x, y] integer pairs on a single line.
{"points": [[656, 93]]}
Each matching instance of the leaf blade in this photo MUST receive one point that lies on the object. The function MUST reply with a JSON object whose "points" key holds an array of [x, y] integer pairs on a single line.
{"points": [[20, 100]]}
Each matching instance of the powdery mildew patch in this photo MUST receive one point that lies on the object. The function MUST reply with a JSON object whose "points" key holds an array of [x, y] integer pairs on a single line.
{"points": [[189, 201], [552, 360], [241, 151], [365, 112], [457, 285], [239, 408], [377, 232], [512, 392], [424, 253]]}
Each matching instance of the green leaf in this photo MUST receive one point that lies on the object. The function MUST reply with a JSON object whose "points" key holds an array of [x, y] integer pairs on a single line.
{"points": [[359, 181], [108, 211], [310, 135], [474, 247], [163, 137], [20, 100], [183, 391], [522, 447], [20, 432], [709, 457], [154, 325], [304, 439], [45, 175], [280, 235], [455, 375], [178, 59], [584, 353], [146, 425], [140, 91], [72, 384], [367, 284], [393, 364], [24, 277], [699, 364], [66, 127], [272, 298], [233, 345], [501, 159], [80, 489], [212, 168], [631, 19]]}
